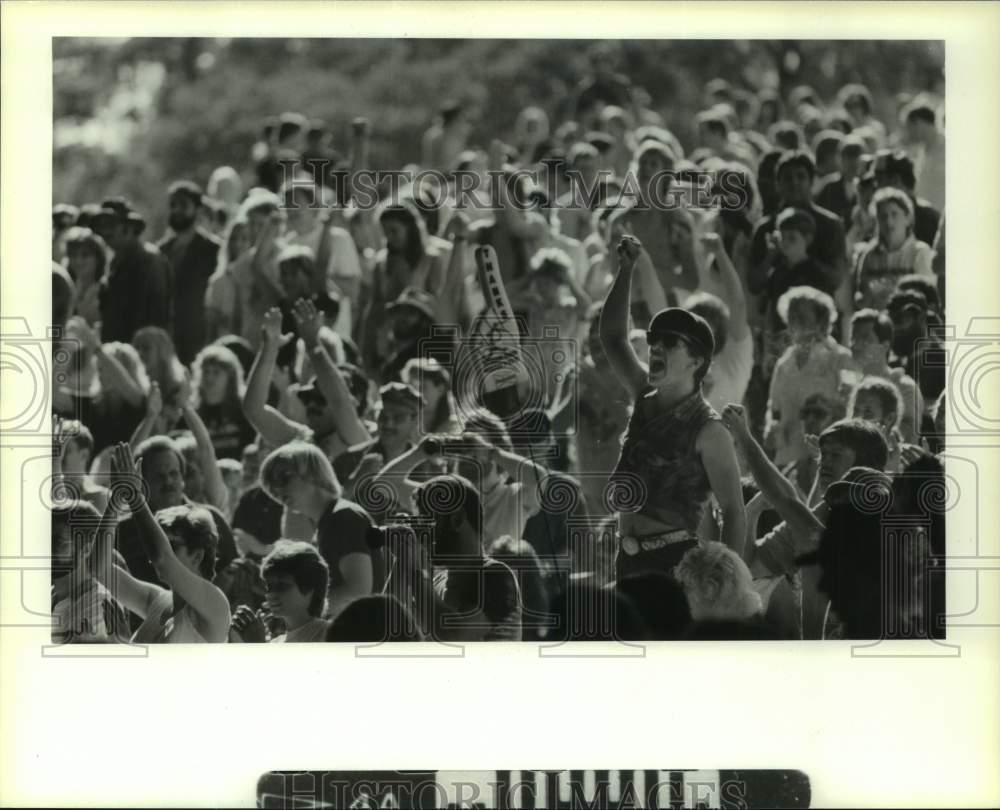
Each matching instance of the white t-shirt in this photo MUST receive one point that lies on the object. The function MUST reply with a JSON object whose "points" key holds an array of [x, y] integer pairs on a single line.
{"points": [[506, 508], [729, 376]]}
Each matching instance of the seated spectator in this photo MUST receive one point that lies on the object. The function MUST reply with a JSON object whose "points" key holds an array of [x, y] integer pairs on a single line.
{"points": [[295, 580], [298, 476], [180, 546]]}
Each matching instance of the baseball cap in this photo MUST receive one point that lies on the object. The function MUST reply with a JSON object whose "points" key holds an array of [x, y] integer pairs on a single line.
{"points": [[416, 299], [397, 393], [692, 328]]}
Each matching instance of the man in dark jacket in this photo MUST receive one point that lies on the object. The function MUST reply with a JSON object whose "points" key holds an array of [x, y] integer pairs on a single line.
{"points": [[135, 293], [193, 255]]}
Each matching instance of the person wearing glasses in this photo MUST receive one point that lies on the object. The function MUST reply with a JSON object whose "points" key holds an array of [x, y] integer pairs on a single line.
{"points": [[676, 453]]}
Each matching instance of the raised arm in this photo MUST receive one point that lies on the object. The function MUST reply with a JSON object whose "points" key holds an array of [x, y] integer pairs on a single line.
{"points": [[718, 457], [126, 492], [329, 378], [395, 473], [776, 488], [614, 326], [204, 598], [451, 297], [215, 487], [116, 375], [147, 427], [736, 300], [273, 426]]}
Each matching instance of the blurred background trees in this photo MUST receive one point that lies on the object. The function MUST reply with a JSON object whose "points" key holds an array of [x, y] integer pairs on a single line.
{"points": [[131, 115]]}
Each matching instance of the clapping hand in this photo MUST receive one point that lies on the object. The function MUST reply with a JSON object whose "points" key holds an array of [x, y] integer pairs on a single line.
{"points": [[271, 329], [308, 321], [250, 625], [126, 479]]}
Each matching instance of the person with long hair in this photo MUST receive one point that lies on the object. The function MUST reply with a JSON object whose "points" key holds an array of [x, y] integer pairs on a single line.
{"points": [[180, 542], [156, 350], [217, 391], [86, 260], [299, 476]]}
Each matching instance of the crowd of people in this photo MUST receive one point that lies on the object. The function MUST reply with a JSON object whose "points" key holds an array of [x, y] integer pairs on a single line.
{"points": [[272, 425]]}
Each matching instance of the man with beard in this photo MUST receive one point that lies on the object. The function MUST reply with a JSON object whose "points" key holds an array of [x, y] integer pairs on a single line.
{"points": [[676, 452], [136, 290], [193, 254]]}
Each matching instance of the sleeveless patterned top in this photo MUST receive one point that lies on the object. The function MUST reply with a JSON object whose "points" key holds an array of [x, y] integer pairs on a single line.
{"points": [[659, 449]]}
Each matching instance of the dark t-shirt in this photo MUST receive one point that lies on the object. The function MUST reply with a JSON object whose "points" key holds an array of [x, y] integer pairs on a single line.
{"points": [[257, 513], [488, 597], [829, 246], [343, 530], [926, 219], [229, 429], [832, 196], [109, 420]]}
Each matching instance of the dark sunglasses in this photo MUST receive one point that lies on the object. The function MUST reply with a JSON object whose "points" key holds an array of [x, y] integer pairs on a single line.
{"points": [[668, 340]]}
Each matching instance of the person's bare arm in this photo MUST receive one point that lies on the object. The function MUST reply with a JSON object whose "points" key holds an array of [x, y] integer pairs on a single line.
{"points": [[117, 377], [331, 382], [147, 427], [215, 487], [272, 425], [736, 300], [207, 601], [356, 570], [451, 296], [776, 488], [614, 326], [718, 457], [135, 595], [395, 473]]}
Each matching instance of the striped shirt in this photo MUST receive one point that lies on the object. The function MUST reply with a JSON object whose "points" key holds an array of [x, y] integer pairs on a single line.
{"points": [[878, 269]]}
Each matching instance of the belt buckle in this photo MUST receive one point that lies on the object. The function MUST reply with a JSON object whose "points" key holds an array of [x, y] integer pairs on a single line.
{"points": [[630, 546]]}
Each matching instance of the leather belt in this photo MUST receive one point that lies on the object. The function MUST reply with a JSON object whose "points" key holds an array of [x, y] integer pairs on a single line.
{"points": [[636, 545]]}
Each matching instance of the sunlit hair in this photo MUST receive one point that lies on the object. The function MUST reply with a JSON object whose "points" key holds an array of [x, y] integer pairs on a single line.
{"points": [[78, 238], [126, 354], [881, 323], [160, 444], [887, 195], [223, 358], [419, 369], [714, 310], [718, 583], [166, 369], [300, 459], [237, 227], [862, 438], [78, 434], [303, 563], [887, 393], [195, 526], [797, 298]]}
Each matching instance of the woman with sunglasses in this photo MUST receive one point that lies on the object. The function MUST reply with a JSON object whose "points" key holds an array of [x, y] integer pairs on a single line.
{"points": [[676, 452], [180, 542]]}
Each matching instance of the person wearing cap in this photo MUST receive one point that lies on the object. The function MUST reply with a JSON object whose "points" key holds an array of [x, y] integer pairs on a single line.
{"points": [[136, 290], [676, 453], [193, 254], [399, 420], [410, 319], [332, 421]]}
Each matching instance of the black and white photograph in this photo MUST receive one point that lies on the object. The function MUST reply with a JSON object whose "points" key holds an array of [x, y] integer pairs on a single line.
{"points": [[619, 345]]}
